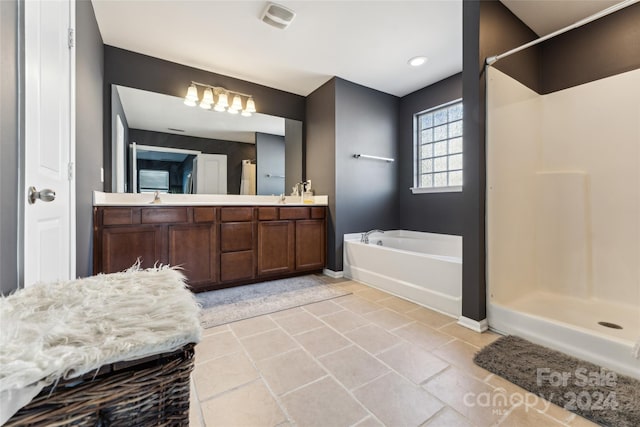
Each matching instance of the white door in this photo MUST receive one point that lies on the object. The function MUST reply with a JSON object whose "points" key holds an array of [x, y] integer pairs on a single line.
{"points": [[49, 223], [210, 172]]}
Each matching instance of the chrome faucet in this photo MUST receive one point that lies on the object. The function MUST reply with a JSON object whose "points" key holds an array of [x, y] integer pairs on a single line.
{"points": [[365, 236], [156, 198]]}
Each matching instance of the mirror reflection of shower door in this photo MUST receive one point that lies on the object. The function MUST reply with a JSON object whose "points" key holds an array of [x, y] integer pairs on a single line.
{"points": [[210, 174]]}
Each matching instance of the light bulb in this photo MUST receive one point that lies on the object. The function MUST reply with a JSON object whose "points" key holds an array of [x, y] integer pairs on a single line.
{"points": [[190, 102], [246, 113], [223, 103], [237, 103], [192, 94], [207, 99], [251, 106]]}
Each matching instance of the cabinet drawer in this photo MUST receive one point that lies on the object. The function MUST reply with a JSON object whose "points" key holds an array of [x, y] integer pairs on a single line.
{"points": [[204, 214], [318, 213], [267, 214], [117, 216], [236, 214], [236, 236], [294, 213], [236, 266], [163, 215]]}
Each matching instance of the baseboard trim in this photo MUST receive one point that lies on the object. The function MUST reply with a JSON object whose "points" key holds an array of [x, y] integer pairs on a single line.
{"points": [[333, 274], [474, 325]]}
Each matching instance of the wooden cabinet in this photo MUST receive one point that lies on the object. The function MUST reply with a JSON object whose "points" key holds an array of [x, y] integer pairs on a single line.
{"points": [[121, 247], [193, 248], [215, 246], [276, 247], [310, 244]]}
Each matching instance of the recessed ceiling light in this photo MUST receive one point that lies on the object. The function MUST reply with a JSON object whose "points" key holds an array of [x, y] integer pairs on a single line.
{"points": [[417, 61]]}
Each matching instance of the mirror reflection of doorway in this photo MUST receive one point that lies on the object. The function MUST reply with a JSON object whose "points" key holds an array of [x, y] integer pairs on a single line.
{"points": [[167, 170]]}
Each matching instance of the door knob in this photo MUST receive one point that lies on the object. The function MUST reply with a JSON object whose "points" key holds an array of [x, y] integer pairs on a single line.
{"points": [[45, 195]]}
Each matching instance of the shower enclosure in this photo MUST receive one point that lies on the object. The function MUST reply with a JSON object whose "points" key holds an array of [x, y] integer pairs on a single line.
{"points": [[563, 216]]}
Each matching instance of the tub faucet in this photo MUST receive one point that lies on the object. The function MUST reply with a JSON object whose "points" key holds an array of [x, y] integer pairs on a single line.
{"points": [[365, 236]]}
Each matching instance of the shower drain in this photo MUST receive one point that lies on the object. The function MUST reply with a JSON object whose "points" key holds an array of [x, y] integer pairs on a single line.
{"points": [[610, 325]]}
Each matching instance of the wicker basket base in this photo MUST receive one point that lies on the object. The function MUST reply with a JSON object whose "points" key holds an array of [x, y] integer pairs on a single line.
{"points": [[153, 393]]}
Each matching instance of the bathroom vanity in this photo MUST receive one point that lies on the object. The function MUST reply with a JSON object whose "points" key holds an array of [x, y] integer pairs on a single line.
{"points": [[219, 242]]}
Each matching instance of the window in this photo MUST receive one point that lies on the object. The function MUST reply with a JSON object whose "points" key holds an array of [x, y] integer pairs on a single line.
{"points": [[438, 152]]}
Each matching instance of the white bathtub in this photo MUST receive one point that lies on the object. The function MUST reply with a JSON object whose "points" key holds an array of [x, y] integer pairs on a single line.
{"points": [[425, 268]]}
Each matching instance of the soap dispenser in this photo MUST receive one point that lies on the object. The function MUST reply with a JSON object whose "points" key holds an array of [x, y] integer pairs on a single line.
{"points": [[307, 197]]}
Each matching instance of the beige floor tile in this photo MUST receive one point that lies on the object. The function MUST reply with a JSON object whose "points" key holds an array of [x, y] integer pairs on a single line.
{"points": [[322, 308], [467, 335], [469, 396], [353, 367], [299, 322], [387, 319], [195, 418], [215, 330], [524, 416], [423, 336], [370, 421], [359, 305], [252, 326], [328, 279], [352, 286], [213, 346], [268, 344], [397, 402], [413, 362], [322, 341], [430, 317], [372, 294], [250, 405], [286, 313], [461, 354], [447, 417], [537, 402], [344, 321], [398, 304], [373, 338], [322, 404], [290, 370], [222, 374]]}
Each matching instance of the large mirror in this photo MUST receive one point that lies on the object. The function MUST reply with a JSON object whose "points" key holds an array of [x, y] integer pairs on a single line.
{"points": [[160, 144]]}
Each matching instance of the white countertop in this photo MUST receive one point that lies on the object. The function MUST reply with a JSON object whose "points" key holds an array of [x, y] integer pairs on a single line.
{"points": [[130, 199]]}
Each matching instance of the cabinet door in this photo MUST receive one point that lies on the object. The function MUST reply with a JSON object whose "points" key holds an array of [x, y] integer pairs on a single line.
{"points": [[275, 247], [310, 245], [193, 247], [235, 266], [122, 246]]}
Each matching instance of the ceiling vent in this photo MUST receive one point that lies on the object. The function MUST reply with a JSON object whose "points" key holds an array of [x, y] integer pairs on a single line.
{"points": [[278, 16]]}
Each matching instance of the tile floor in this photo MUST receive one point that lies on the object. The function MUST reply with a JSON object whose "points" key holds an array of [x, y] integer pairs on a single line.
{"points": [[365, 359]]}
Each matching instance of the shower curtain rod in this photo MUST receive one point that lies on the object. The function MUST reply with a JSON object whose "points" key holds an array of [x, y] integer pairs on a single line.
{"points": [[491, 59]]}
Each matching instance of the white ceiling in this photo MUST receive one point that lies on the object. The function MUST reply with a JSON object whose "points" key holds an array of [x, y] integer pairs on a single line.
{"points": [[366, 42], [546, 16], [163, 113]]}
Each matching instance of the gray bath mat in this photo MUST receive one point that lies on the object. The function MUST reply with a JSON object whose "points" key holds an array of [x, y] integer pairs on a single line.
{"points": [[242, 302], [595, 393]]}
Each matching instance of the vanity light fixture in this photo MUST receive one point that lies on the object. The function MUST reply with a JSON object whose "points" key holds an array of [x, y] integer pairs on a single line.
{"points": [[218, 98]]}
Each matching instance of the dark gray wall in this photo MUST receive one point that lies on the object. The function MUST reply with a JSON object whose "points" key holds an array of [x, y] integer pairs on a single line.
{"points": [[126, 68], [89, 83], [320, 146], [270, 154], [602, 48], [366, 190], [488, 29], [293, 136], [430, 212], [344, 119], [235, 151], [9, 159]]}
